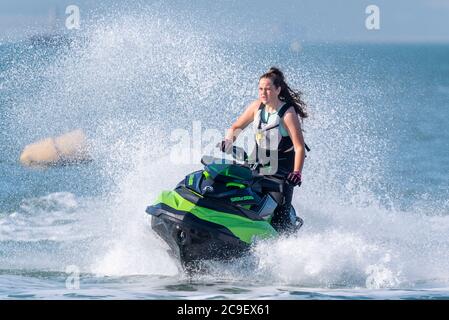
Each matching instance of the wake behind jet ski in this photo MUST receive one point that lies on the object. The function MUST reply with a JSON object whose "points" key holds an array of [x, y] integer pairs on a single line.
{"points": [[217, 213]]}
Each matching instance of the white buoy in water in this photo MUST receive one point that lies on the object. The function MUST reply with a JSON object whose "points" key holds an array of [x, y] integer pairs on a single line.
{"points": [[71, 147]]}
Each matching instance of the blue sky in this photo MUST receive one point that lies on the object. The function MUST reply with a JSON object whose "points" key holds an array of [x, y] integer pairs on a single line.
{"points": [[319, 20]]}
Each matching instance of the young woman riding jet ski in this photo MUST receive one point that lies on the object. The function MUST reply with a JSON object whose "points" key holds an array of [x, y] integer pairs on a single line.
{"points": [[220, 211], [280, 144]]}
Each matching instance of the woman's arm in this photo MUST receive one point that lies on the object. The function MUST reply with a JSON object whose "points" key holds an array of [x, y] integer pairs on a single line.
{"points": [[291, 122], [243, 121]]}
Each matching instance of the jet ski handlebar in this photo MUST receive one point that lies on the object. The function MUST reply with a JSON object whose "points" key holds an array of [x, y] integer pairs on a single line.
{"points": [[276, 181], [239, 154]]}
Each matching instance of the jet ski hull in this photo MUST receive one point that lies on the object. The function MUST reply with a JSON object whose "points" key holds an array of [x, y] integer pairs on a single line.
{"points": [[191, 239]]}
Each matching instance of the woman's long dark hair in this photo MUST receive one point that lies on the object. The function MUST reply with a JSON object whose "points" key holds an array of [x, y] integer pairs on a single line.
{"points": [[287, 95]]}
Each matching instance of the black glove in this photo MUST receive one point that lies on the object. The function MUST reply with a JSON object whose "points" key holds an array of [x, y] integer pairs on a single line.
{"points": [[294, 178]]}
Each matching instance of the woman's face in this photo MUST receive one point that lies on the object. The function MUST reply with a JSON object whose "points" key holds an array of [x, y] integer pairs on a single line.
{"points": [[268, 93]]}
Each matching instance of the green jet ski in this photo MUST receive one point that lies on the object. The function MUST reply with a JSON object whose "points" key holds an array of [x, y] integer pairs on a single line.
{"points": [[218, 212]]}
